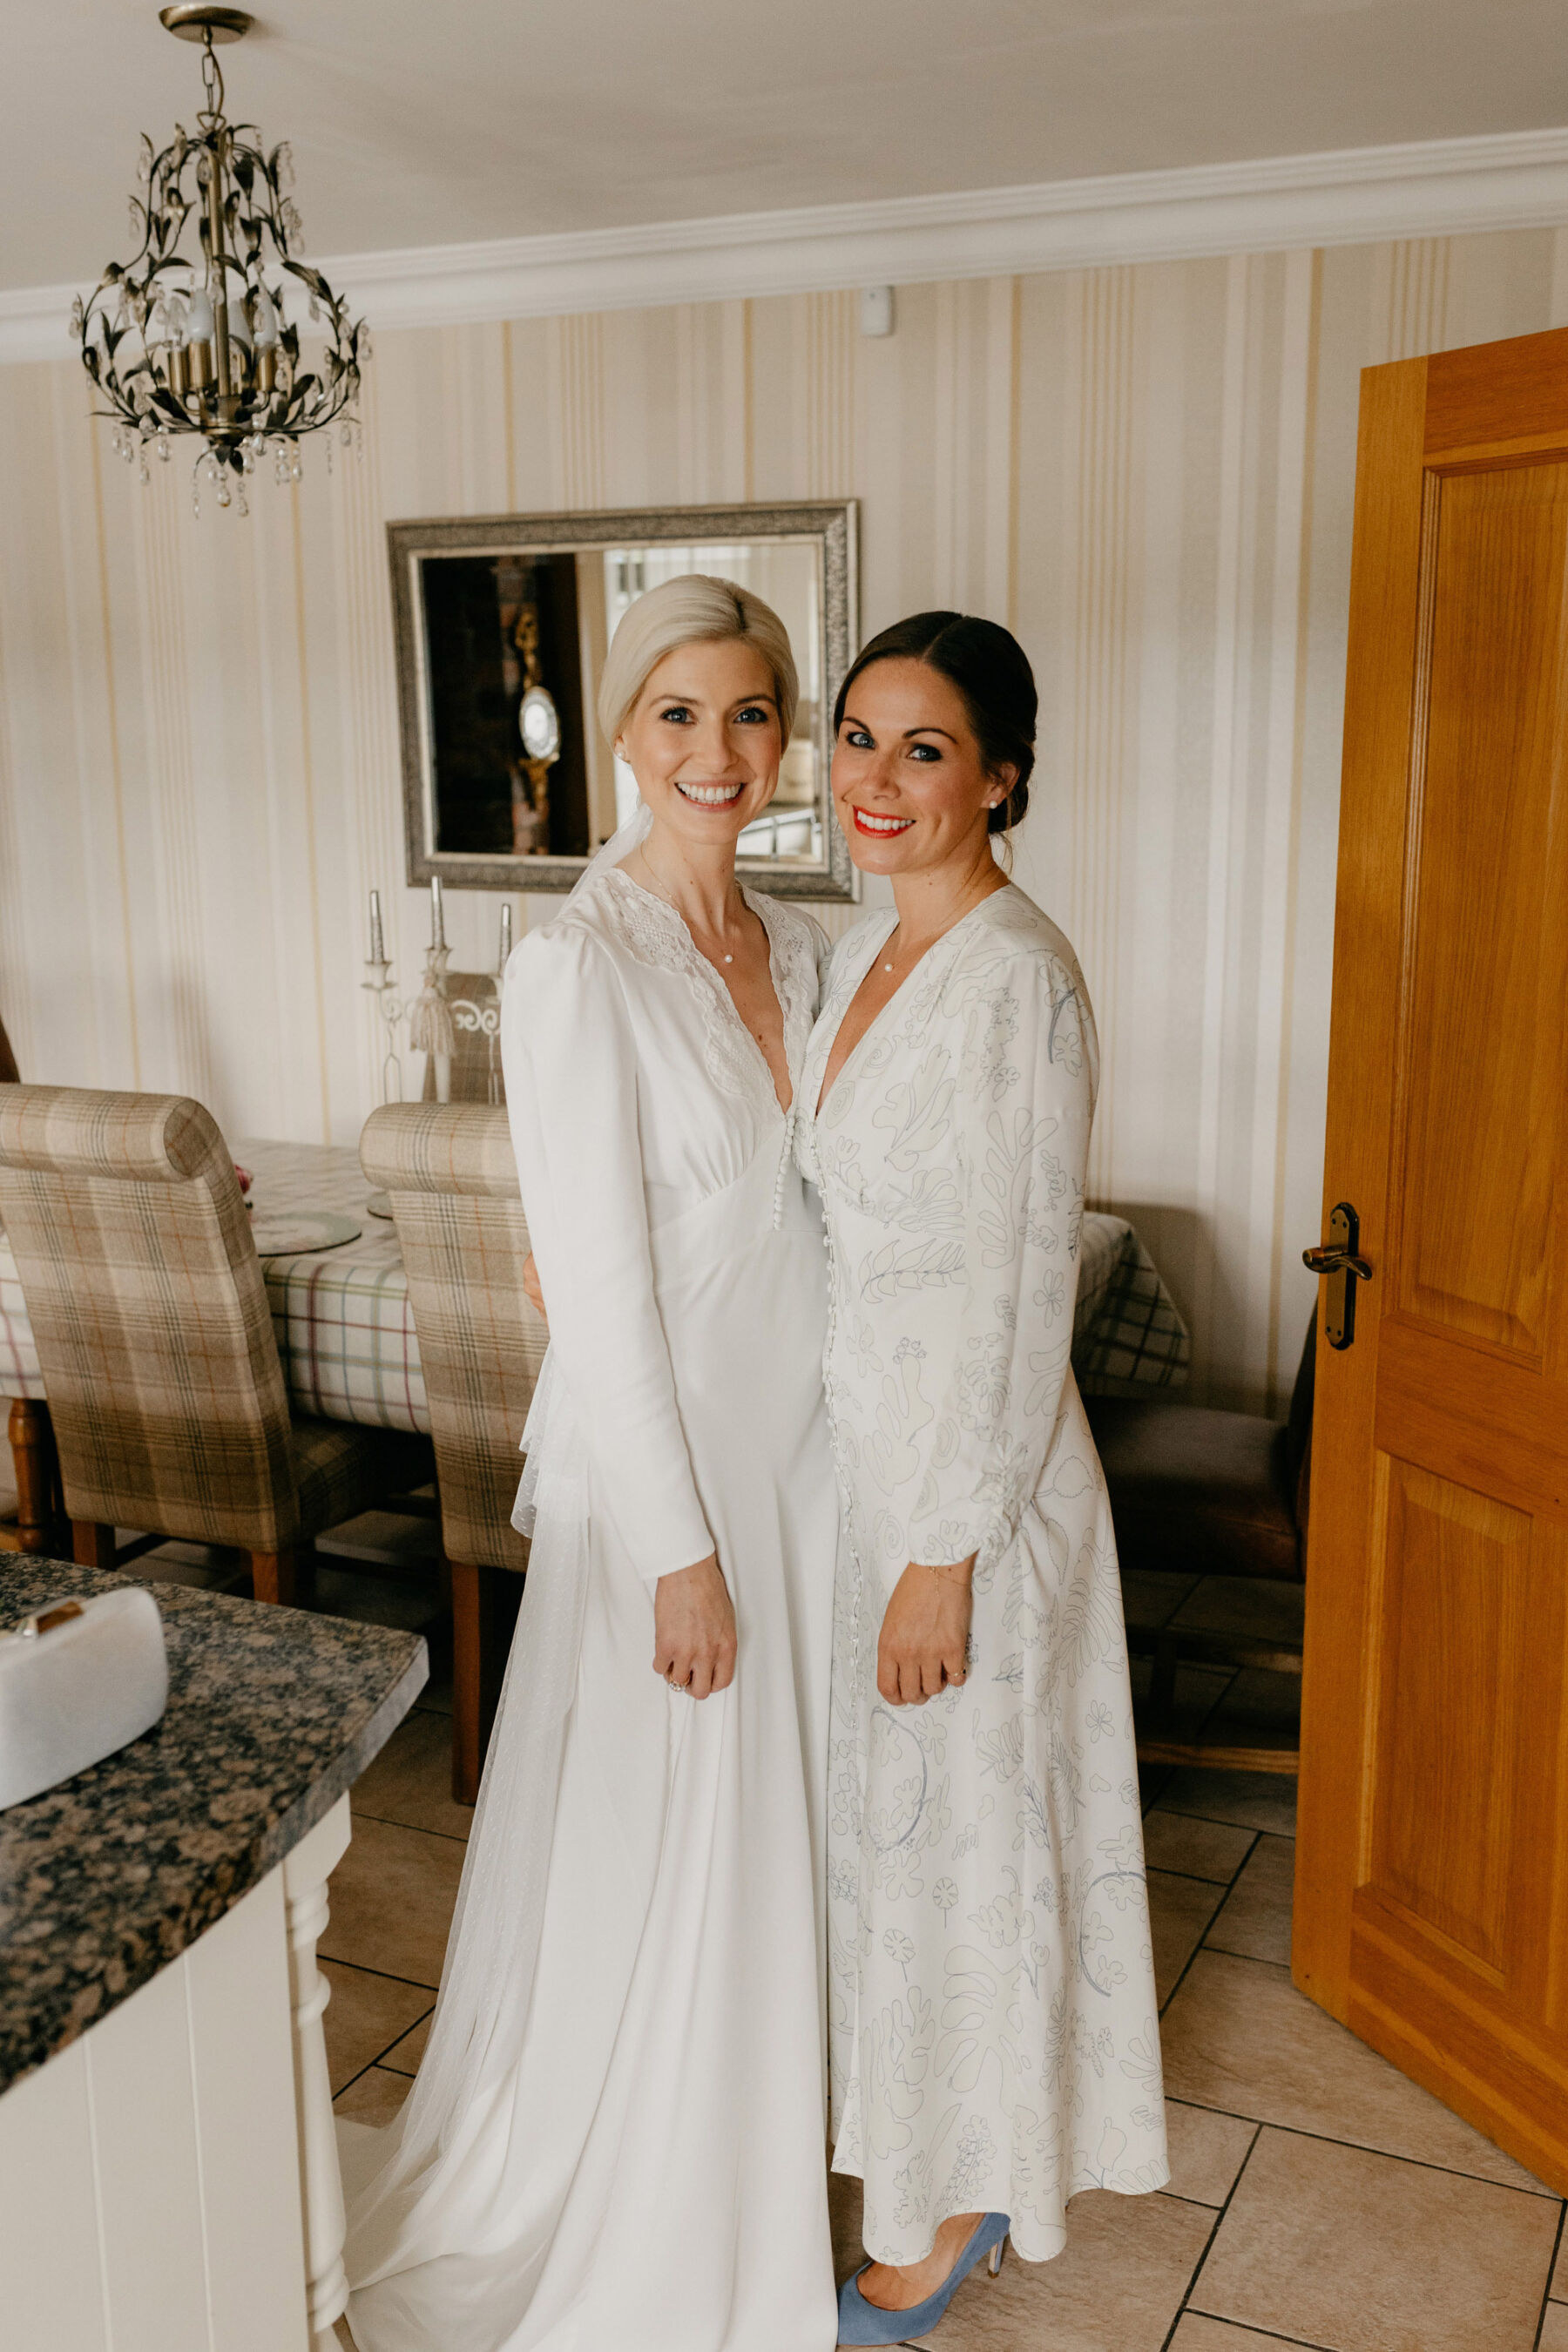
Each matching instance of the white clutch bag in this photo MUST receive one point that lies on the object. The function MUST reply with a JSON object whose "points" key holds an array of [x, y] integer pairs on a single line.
{"points": [[79, 1679]]}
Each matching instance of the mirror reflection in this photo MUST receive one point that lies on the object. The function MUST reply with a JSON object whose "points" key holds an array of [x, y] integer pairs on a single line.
{"points": [[503, 636]]}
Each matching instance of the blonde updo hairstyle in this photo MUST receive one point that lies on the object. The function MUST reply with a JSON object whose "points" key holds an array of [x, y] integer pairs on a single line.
{"points": [[695, 610]]}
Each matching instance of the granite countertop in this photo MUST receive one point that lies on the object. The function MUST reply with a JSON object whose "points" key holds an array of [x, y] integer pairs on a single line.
{"points": [[273, 1713]]}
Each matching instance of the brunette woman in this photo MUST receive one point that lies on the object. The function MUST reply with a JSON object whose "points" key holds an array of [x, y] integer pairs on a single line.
{"points": [[994, 2047]]}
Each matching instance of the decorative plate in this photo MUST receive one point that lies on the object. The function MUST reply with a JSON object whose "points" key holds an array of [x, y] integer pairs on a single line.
{"points": [[294, 1232], [380, 1204]]}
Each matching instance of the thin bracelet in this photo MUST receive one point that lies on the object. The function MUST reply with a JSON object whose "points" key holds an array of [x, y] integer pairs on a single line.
{"points": [[945, 1573]]}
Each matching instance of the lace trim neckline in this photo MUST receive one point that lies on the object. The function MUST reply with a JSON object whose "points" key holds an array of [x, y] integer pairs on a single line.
{"points": [[660, 936]]}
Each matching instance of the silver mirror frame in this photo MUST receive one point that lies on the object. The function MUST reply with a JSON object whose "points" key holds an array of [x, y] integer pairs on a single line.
{"points": [[832, 524]]}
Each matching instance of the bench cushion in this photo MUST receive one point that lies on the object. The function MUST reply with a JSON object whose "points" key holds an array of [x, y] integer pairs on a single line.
{"points": [[1194, 1488]]}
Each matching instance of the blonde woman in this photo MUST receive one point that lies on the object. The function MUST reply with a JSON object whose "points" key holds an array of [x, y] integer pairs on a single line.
{"points": [[616, 2138]]}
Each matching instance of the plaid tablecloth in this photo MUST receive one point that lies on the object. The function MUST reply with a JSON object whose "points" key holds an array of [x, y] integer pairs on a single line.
{"points": [[350, 1351], [1128, 1333]]}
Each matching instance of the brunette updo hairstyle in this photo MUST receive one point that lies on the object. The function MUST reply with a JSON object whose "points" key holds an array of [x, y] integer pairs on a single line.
{"points": [[991, 671]]}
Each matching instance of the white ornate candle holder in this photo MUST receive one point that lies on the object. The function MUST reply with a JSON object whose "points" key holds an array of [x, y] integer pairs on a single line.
{"points": [[430, 1026], [390, 1010]]}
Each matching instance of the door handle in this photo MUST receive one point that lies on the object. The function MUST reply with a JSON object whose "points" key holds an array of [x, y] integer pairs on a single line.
{"points": [[1338, 1261]]}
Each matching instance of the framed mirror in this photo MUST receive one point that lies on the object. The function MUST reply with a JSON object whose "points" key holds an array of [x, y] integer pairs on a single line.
{"points": [[503, 621]]}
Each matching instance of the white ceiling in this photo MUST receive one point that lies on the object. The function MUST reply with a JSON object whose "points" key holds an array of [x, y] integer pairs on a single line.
{"points": [[459, 119]]}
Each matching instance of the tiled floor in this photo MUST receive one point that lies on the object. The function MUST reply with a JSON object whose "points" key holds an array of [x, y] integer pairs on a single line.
{"points": [[1318, 2199]]}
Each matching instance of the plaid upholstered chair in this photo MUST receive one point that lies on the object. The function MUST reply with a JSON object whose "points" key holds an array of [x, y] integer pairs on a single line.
{"points": [[38, 1523], [449, 1170], [153, 1332], [1214, 1497], [476, 1074]]}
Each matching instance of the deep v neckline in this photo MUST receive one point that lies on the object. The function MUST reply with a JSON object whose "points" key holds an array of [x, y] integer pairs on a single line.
{"points": [[715, 979], [824, 1089], [859, 1047]]}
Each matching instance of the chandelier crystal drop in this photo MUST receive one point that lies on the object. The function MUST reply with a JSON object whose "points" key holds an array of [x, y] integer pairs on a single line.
{"points": [[191, 336]]}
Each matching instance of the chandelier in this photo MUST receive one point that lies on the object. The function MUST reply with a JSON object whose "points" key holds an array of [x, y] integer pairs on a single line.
{"points": [[190, 336]]}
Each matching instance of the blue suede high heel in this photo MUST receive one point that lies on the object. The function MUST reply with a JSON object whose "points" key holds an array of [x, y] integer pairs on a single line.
{"points": [[860, 2322]]}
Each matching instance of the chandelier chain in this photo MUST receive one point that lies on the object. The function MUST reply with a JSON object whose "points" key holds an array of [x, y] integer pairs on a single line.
{"points": [[212, 80]]}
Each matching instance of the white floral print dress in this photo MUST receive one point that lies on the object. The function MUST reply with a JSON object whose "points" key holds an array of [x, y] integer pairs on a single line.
{"points": [[993, 2036]]}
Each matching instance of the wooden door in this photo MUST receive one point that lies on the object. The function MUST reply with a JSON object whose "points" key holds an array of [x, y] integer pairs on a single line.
{"points": [[1432, 1870]]}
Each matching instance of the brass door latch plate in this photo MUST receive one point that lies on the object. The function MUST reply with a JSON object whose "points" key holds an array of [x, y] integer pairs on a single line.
{"points": [[1344, 1268]]}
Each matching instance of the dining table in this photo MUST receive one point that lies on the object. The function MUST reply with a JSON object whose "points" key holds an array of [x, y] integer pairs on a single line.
{"points": [[345, 1329]]}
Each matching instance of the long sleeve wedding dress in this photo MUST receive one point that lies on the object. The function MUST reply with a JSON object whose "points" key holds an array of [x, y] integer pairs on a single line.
{"points": [[615, 2141], [995, 2043]]}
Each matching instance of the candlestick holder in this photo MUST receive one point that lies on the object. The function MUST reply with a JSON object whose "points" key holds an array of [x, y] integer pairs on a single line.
{"points": [[430, 1026], [390, 1010]]}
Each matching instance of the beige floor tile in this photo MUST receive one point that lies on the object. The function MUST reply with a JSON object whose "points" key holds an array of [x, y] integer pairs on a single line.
{"points": [[374, 2099], [1197, 1849], [1179, 1911], [410, 1781], [1255, 1917], [346, 1589], [205, 1568], [1361, 2252], [1260, 1605], [389, 1538], [364, 2016], [1238, 2036], [391, 1897], [844, 2203], [1116, 2288], [1207, 2151], [1152, 1596], [436, 1698], [1199, 1690], [1260, 1709], [406, 2056], [1196, 2333], [1554, 2329], [1559, 2275], [1259, 1801]]}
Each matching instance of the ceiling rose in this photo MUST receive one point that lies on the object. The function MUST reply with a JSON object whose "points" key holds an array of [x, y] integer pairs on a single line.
{"points": [[190, 336]]}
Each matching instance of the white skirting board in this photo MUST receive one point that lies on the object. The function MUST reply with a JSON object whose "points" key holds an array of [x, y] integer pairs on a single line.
{"points": [[159, 2179]]}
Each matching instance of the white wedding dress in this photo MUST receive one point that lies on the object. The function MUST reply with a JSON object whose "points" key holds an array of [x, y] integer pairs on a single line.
{"points": [[615, 2140]]}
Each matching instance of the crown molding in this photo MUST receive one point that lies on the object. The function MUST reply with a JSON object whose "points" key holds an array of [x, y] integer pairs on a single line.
{"points": [[1357, 196]]}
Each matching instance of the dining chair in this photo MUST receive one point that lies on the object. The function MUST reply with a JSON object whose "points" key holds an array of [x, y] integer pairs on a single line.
{"points": [[156, 1340], [452, 1180], [1206, 1494], [37, 1524], [474, 998]]}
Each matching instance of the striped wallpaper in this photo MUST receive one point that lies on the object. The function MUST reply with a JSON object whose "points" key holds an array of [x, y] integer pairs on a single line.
{"points": [[1147, 472]]}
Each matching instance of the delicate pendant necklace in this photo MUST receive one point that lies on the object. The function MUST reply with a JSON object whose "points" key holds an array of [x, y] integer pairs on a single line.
{"points": [[662, 890], [930, 943]]}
